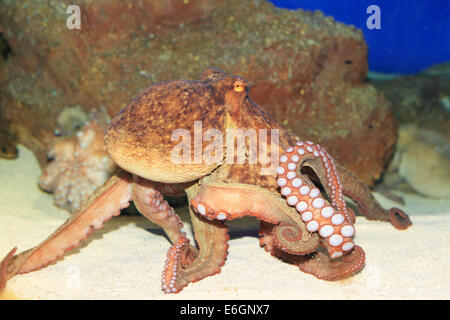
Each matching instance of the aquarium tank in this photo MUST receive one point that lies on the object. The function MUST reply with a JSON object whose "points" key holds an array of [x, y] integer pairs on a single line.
{"points": [[265, 150]]}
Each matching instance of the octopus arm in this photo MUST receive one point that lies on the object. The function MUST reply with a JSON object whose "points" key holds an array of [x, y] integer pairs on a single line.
{"points": [[323, 165], [317, 263], [187, 264], [331, 219], [367, 204], [150, 203], [227, 201], [105, 203]]}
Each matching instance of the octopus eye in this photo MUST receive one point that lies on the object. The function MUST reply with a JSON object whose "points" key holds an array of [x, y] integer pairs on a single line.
{"points": [[238, 86]]}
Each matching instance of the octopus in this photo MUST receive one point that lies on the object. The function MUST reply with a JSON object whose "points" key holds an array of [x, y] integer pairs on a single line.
{"points": [[169, 140], [78, 165]]}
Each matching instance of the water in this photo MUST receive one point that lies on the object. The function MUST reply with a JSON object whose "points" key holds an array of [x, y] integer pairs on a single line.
{"points": [[412, 35]]}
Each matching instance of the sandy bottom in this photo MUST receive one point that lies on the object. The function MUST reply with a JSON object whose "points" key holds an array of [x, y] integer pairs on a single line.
{"points": [[125, 259]]}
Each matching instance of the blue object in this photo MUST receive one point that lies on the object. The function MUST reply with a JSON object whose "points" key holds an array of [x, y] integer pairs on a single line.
{"points": [[414, 34]]}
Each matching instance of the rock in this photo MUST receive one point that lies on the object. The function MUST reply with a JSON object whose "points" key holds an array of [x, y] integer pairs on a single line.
{"points": [[421, 104], [422, 99], [306, 69], [422, 159], [8, 148]]}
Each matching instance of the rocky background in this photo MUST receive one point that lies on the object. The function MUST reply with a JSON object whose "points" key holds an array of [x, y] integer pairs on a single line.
{"points": [[305, 69], [422, 99], [421, 104]]}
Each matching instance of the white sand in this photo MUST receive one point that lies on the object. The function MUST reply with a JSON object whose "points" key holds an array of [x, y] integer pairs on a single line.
{"points": [[125, 259]]}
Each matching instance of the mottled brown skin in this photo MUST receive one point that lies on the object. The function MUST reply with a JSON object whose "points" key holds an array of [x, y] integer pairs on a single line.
{"points": [[139, 137], [139, 141]]}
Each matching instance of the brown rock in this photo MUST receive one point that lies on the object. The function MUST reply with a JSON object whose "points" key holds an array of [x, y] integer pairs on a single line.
{"points": [[306, 69], [422, 99]]}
